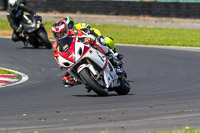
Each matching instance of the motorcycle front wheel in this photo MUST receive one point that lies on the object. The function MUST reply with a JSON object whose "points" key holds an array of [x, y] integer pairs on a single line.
{"points": [[88, 77], [43, 39]]}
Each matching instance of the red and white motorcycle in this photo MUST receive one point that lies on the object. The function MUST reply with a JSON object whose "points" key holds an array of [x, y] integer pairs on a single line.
{"points": [[91, 67]]}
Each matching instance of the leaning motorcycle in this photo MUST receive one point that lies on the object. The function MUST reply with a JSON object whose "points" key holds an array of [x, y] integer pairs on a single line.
{"points": [[91, 67], [34, 31]]}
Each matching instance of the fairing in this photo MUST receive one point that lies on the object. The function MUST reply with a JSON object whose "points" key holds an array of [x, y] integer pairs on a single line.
{"points": [[29, 23], [81, 55]]}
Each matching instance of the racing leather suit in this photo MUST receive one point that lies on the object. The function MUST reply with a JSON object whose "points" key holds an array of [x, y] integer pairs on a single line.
{"points": [[77, 32], [14, 18], [68, 80], [95, 32]]}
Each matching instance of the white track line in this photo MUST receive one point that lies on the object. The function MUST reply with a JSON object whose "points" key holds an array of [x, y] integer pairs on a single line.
{"points": [[24, 78]]}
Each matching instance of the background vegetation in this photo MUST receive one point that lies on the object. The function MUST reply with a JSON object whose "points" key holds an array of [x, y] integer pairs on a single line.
{"points": [[2, 71], [133, 34]]}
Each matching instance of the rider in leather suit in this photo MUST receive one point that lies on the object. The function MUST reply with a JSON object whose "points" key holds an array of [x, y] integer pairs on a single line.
{"points": [[60, 31], [90, 30], [15, 13]]}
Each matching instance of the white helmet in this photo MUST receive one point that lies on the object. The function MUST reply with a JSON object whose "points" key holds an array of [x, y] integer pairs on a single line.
{"points": [[13, 4]]}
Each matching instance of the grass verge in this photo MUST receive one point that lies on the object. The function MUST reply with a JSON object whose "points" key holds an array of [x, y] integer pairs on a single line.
{"points": [[2, 71], [133, 34], [179, 131]]}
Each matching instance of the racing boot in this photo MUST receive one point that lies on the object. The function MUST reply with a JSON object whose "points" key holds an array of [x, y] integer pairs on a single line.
{"points": [[69, 80], [108, 52], [24, 39], [113, 59], [110, 43], [116, 62]]}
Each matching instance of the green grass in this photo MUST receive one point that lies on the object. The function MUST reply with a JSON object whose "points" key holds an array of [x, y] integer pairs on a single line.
{"points": [[2, 71], [179, 131], [152, 36], [139, 35], [4, 25], [147, 35]]}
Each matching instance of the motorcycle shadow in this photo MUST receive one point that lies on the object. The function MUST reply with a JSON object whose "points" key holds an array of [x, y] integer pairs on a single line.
{"points": [[34, 48], [109, 95]]}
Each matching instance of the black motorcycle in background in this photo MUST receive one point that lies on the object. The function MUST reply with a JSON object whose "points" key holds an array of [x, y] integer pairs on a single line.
{"points": [[34, 31]]}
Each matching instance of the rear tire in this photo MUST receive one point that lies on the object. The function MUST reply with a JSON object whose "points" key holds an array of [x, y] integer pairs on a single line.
{"points": [[124, 88], [87, 76]]}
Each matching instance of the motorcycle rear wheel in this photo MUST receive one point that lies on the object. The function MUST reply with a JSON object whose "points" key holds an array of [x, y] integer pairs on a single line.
{"points": [[87, 76], [124, 87]]}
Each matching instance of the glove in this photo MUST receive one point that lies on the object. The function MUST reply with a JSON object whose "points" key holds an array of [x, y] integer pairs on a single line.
{"points": [[87, 41], [92, 37], [101, 40]]}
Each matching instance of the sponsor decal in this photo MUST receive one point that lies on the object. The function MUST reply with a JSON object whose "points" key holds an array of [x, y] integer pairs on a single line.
{"points": [[65, 47]]}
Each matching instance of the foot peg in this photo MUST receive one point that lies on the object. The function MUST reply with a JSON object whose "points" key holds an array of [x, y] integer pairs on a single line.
{"points": [[120, 56]]}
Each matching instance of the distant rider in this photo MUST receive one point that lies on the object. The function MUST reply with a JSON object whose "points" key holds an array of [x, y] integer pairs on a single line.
{"points": [[90, 30], [15, 13], [60, 31]]}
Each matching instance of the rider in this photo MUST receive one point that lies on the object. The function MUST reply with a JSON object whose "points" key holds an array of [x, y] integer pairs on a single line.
{"points": [[15, 13], [89, 30], [60, 31]]}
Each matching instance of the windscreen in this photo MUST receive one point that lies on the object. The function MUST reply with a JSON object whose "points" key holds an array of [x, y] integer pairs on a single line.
{"points": [[65, 43], [27, 19]]}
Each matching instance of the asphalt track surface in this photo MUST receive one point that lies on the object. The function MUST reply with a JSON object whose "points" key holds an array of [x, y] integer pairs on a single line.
{"points": [[165, 89]]}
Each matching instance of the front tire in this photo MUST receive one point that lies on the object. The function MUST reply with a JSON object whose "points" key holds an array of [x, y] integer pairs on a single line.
{"points": [[87, 76], [44, 39], [33, 41]]}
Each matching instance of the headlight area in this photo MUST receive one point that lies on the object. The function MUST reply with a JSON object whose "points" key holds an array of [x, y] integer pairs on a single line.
{"points": [[38, 26]]}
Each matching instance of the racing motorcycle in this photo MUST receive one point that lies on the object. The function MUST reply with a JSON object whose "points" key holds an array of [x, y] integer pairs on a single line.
{"points": [[34, 31], [91, 67]]}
